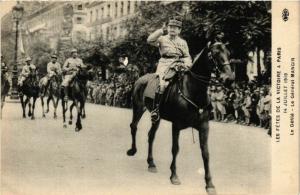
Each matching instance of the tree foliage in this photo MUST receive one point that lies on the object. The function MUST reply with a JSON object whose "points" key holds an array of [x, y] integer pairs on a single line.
{"points": [[246, 25]]}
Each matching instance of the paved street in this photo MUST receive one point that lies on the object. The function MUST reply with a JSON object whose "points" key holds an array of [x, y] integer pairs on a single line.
{"points": [[41, 157]]}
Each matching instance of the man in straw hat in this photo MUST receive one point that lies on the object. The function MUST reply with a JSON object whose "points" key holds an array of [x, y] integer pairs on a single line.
{"points": [[172, 48], [53, 69], [27, 69]]}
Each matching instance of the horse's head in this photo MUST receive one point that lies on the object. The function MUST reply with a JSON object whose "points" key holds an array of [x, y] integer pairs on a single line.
{"points": [[219, 56]]}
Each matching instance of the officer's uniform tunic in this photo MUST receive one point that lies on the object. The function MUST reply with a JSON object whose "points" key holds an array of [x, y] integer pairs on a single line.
{"points": [[52, 69], [71, 67], [26, 70], [170, 51]]}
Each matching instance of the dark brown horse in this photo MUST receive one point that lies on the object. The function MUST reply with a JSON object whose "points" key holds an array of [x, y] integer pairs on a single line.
{"points": [[53, 92], [31, 90], [185, 104], [5, 86], [77, 94]]}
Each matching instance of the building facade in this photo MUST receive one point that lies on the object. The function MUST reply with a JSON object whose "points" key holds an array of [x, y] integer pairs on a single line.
{"points": [[107, 19], [58, 19]]}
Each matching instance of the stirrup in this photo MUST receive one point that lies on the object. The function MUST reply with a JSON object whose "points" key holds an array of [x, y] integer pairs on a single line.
{"points": [[155, 115]]}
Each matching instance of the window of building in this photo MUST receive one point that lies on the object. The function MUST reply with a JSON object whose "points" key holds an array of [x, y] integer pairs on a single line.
{"points": [[79, 20], [116, 9], [91, 16], [122, 8], [108, 10], [135, 6], [97, 14], [102, 12], [79, 7], [128, 7]]}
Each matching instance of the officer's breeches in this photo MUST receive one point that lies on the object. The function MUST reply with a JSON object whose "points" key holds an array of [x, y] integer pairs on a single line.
{"points": [[68, 78]]}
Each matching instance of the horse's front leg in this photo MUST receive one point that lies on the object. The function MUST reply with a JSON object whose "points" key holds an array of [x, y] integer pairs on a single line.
{"points": [[23, 105], [48, 102], [55, 103], [175, 149], [83, 111], [203, 137], [64, 109], [29, 106], [33, 107], [71, 113], [43, 110], [78, 121], [151, 136]]}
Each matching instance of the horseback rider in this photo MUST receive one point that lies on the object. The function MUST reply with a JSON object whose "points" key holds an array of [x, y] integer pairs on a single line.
{"points": [[4, 68], [27, 70], [53, 69], [70, 69], [172, 49]]}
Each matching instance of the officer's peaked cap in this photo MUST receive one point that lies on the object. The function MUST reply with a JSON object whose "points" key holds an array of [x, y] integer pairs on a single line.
{"points": [[74, 51], [175, 21], [28, 59], [53, 56]]}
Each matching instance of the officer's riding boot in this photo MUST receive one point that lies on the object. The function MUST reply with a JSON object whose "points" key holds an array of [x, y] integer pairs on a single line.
{"points": [[156, 103], [66, 93]]}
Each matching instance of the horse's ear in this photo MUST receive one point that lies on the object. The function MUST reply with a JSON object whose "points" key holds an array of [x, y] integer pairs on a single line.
{"points": [[209, 44]]}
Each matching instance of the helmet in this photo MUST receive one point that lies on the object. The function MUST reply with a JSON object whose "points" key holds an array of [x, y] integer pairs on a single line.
{"points": [[28, 59]]}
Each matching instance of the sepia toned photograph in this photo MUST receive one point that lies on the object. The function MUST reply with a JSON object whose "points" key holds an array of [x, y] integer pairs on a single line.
{"points": [[137, 97]]}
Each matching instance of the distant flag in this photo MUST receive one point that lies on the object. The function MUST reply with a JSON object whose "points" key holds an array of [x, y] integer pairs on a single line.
{"points": [[21, 46]]}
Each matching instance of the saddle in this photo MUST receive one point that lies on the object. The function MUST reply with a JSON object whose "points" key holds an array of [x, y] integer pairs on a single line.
{"points": [[171, 75]]}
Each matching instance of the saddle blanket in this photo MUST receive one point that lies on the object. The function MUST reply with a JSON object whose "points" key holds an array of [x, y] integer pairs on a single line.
{"points": [[152, 86]]}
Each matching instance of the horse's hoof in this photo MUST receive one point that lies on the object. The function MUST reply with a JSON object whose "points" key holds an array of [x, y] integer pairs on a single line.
{"points": [[29, 114], [24, 116], [152, 169], [70, 122], [55, 117], [83, 116], [77, 129], [211, 190], [32, 118], [131, 152], [44, 116], [65, 125], [175, 180]]}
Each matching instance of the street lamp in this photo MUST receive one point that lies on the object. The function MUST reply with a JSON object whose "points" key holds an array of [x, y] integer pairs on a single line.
{"points": [[17, 13]]}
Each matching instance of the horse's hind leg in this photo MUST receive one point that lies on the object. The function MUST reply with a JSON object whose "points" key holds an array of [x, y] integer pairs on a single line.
{"points": [[71, 113], [151, 136], [175, 149], [203, 137], [138, 112], [83, 111], [33, 107]]}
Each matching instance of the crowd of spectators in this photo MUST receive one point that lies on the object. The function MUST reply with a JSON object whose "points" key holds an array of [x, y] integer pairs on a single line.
{"points": [[245, 103], [242, 103]]}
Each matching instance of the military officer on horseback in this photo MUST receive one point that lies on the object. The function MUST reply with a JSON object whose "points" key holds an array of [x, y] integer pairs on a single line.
{"points": [[27, 70], [70, 69], [4, 68], [53, 69], [173, 49]]}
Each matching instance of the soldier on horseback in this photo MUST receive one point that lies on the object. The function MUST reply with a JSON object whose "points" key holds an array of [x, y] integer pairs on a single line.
{"points": [[4, 68], [53, 69], [70, 69], [173, 49], [27, 70]]}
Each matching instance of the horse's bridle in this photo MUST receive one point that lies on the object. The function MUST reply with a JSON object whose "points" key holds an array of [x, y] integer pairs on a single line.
{"points": [[204, 80]]}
